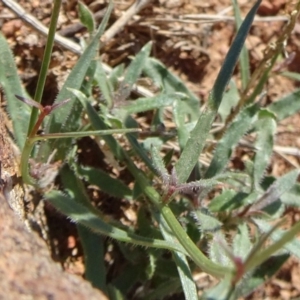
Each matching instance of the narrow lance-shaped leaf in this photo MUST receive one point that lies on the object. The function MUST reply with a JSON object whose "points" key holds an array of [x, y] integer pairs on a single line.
{"points": [[286, 106], [230, 99], [94, 261], [241, 242], [59, 121], [11, 85], [217, 252], [98, 123], [278, 188], [244, 57], [185, 274], [196, 142], [231, 59], [170, 83], [179, 118], [140, 151], [79, 213], [266, 128], [104, 84], [291, 75], [159, 164], [206, 221], [86, 17], [230, 139], [145, 104], [107, 184], [133, 72]]}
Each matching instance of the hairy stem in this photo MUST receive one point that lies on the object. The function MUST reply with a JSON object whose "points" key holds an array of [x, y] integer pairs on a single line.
{"points": [[194, 252]]}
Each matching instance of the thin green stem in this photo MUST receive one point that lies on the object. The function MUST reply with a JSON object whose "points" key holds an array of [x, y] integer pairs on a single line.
{"points": [[80, 134], [24, 162], [194, 252], [63, 135], [45, 63]]}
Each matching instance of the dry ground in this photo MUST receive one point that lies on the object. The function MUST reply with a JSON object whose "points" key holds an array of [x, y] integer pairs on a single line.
{"points": [[191, 38]]}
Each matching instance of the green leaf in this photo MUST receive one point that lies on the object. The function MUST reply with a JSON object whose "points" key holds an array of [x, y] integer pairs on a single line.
{"points": [[170, 83], [104, 84], [291, 75], [241, 242], [99, 124], [292, 197], [159, 164], [230, 99], [232, 136], [261, 274], [116, 74], [282, 185], [292, 246], [85, 216], [131, 274], [140, 151], [206, 221], [229, 200], [134, 71], [286, 106], [11, 84], [217, 251], [145, 104], [190, 155], [266, 129], [163, 289], [185, 275], [61, 119], [196, 142], [92, 244], [219, 292], [258, 256], [86, 17], [232, 56], [244, 57], [106, 183], [180, 118]]}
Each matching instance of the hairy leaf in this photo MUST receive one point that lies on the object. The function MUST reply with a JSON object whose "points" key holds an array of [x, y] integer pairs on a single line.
{"points": [[236, 130], [62, 119], [286, 106], [81, 214], [11, 85], [86, 17], [266, 129]]}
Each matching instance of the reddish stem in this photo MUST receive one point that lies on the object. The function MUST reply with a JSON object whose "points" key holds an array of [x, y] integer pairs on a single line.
{"points": [[38, 123]]}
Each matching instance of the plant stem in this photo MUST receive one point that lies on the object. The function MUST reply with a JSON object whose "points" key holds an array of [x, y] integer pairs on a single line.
{"points": [[194, 252], [24, 162], [45, 63], [80, 134], [34, 124]]}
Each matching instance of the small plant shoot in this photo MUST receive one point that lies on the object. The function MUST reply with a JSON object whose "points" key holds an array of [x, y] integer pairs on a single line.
{"points": [[188, 199]]}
